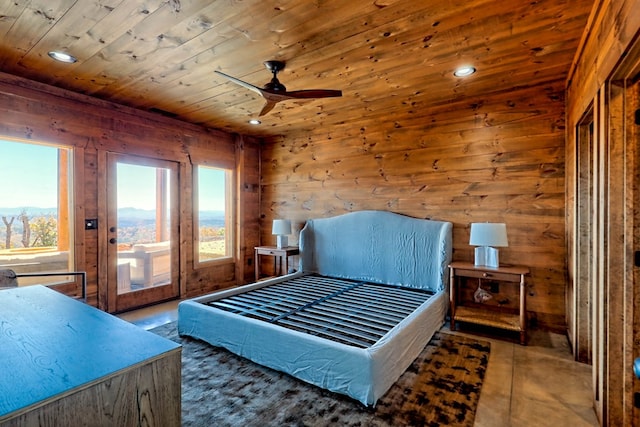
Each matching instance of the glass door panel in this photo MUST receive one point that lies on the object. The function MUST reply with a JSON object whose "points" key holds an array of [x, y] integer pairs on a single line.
{"points": [[142, 231]]}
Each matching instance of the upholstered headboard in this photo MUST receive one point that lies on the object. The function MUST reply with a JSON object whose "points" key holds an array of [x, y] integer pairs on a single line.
{"points": [[380, 247]]}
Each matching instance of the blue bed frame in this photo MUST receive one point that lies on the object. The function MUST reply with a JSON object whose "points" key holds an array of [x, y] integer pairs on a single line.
{"points": [[373, 246]]}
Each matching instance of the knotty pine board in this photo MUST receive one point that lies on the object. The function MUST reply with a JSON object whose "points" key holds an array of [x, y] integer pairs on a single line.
{"points": [[497, 159]]}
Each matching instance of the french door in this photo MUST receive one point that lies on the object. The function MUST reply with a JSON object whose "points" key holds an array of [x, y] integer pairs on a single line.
{"points": [[142, 231]]}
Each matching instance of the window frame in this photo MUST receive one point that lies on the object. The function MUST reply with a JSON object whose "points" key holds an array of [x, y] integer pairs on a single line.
{"points": [[73, 284], [229, 213]]}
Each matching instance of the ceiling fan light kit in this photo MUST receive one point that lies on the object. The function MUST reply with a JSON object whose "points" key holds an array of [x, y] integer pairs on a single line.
{"points": [[274, 91]]}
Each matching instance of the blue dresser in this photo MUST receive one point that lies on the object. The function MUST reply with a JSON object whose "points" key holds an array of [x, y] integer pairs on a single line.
{"points": [[64, 363]]}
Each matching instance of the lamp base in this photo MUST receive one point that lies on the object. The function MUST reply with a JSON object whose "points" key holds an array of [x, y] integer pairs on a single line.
{"points": [[282, 241], [487, 256]]}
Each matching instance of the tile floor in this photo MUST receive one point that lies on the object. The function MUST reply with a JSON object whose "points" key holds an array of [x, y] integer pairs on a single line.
{"points": [[534, 385]]}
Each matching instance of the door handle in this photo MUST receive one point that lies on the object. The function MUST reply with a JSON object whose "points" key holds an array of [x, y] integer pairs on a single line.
{"points": [[113, 240]]}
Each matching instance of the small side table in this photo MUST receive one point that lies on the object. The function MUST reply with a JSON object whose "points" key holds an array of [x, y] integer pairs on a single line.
{"points": [[279, 254], [483, 315]]}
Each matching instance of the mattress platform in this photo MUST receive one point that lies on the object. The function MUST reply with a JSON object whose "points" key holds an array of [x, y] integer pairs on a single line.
{"points": [[351, 312]]}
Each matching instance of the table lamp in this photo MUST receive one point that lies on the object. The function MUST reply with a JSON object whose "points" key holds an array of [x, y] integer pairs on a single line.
{"points": [[485, 236], [281, 228]]}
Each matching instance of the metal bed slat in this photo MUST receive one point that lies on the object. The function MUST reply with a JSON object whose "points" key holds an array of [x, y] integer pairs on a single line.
{"points": [[349, 320], [351, 307], [278, 295], [349, 311], [356, 314], [396, 302], [263, 304], [387, 299], [300, 291], [281, 292], [256, 315], [256, 312], [367, 308], [394, 297], [405, 292], [335, 325], [251, 300], [299, 294], [337, 331], [322, 333], [316, 289], [264, 296], [348, 299], [342, 305], [244, 305], [318, 301], [372, 303], [341, 325]]}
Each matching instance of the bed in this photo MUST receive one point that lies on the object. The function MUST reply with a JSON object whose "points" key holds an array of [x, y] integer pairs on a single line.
{"points": [[370, 292]]}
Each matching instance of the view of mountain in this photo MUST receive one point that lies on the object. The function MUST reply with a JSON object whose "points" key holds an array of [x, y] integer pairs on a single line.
{"points": [[210, 218], [132, 216], [31, 211], [134, 224]]}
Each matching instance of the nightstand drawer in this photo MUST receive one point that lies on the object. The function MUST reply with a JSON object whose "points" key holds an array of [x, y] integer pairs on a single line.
{"points": [[489, 275]]}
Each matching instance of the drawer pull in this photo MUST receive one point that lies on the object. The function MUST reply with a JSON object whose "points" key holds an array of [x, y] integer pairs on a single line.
{"points": [[486, 274]]}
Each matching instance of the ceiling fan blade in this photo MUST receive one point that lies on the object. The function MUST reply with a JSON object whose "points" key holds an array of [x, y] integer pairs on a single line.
{"points": [[267, 107], [314, 93], [274, 96], [249, 86], [274, 91]]}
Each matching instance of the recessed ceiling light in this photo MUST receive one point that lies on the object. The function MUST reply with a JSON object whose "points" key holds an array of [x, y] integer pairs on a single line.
{"points": [[255, 121], [465, 71], [62, 57]]}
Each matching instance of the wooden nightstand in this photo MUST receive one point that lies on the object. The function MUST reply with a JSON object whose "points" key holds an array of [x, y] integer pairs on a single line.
{"points": [[279, 254], [482, 314]]}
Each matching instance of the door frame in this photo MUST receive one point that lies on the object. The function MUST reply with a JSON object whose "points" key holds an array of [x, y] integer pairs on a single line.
{"points": [[618, 287], [579, 294], [107, 253]]}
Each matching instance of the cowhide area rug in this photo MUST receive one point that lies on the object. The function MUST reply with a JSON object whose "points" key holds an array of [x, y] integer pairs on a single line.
{"points": [[440, 388]]}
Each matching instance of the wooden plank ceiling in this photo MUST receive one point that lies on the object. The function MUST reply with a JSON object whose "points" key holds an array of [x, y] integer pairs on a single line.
{"points": [[392, 59]]}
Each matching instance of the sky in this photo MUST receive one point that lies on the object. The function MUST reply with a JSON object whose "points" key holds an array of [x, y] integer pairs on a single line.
{"points": [[28, 177]]}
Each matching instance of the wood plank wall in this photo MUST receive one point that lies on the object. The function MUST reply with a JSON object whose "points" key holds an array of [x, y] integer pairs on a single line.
{"points": [[32, 111], [613, 27], [496, 159]]}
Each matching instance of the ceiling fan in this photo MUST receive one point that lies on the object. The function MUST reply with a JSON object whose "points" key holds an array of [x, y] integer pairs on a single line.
{"points": [[274, 91]]}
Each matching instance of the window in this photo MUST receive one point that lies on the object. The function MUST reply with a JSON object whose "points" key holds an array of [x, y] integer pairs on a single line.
{"points": [[35, 211], [213, 240]]}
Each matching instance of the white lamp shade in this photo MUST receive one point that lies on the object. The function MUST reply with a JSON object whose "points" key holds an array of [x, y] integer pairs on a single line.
{"points": [[488, 234], [281, 227]]}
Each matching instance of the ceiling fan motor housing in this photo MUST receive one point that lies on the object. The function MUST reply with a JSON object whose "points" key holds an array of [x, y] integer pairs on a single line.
{"points": [[274, 67]]}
